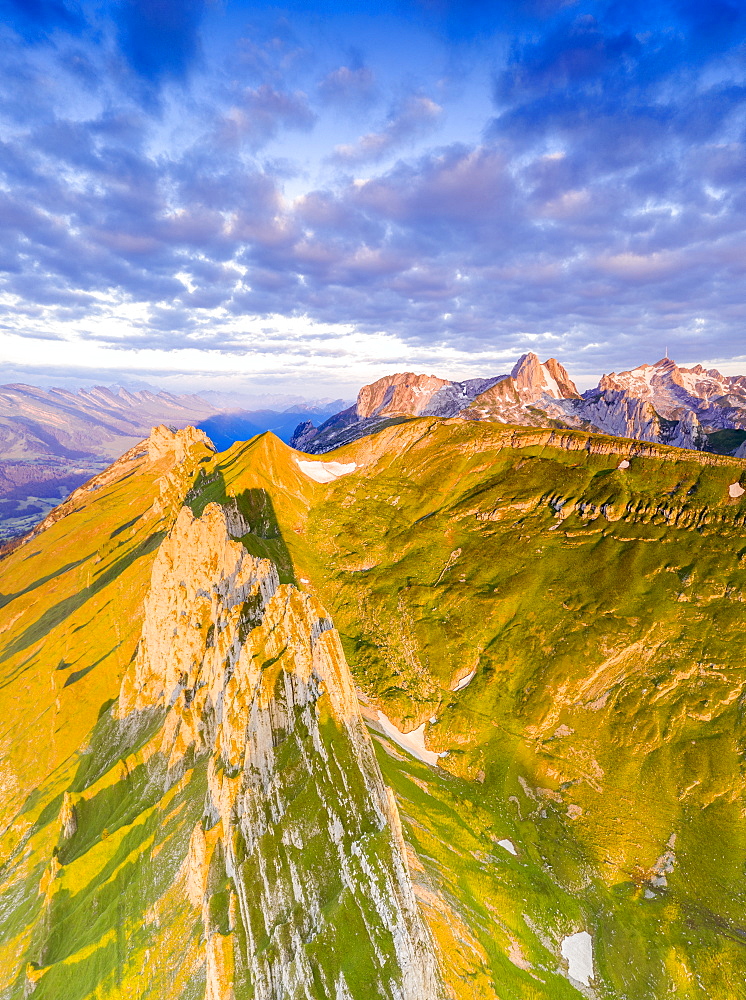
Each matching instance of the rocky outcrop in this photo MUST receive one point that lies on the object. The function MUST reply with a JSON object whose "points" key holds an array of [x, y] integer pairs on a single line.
{"points": [[533, 395], [165, 442], [717, 401], [616, 412], [298, 860], [532, 379], [670, 388], [400, 395], [303, 435]]}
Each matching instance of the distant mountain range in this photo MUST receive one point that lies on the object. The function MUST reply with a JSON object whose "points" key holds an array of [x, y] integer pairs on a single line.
{"points": [[661, 403], [52, 440]]}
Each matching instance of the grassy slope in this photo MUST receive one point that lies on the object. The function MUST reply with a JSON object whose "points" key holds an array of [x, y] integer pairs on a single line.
{"points": [[71, 616], [604, 717], [606, 713]]}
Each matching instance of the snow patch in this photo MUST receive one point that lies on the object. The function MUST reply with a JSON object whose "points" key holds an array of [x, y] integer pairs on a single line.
{"points": [[552, 388], [736, 490], [578, 950], [624, 464], [325, 472], [413, 742], [465, 681], [509, 846]]}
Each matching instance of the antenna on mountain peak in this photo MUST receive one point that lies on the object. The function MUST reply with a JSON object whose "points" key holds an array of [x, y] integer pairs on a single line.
{"points": [[666, 353]]}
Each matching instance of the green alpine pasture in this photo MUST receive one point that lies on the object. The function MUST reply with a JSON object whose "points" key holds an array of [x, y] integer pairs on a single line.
{"points": [[599, 607]]}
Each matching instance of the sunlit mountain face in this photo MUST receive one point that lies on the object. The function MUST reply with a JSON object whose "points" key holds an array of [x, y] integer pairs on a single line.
{"points": [[324, 193], [455, 710], [371, 598]]}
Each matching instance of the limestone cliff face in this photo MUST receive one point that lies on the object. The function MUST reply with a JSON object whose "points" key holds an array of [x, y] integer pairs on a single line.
{"points": [[413, 395], [718, 401], [615, 411], [399, 394], [164, 442], [297, 867], [402, 395], [532, 379]]}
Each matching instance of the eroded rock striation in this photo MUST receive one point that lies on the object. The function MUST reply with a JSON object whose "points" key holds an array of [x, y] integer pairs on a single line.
{"points": [[297, 866]]}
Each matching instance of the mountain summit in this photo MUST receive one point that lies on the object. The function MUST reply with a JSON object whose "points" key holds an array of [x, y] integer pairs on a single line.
{"points": [[661, 403], [533, 379], [455, 714]]}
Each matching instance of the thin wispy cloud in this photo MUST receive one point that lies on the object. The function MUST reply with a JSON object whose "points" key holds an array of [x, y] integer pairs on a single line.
{"points": [[417, 117]]}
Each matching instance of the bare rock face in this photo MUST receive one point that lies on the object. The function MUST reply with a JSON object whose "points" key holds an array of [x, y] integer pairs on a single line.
{"points": [[68, 816], [718, 401], [412, 395], [565, 385], [401, 395], [298, 861], [163, 442], [623, 415], [303, 434], [396, 395], [533, 379]]}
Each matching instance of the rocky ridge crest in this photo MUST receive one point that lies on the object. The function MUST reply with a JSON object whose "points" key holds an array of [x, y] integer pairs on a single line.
{"points": [[251, 673]]}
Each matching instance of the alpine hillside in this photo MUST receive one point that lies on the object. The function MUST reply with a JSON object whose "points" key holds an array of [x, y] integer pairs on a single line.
{"points": [[455, 711], [54, 440]]}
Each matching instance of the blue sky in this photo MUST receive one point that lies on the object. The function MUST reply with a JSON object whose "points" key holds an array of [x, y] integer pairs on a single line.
{"points": [[310, 195]]}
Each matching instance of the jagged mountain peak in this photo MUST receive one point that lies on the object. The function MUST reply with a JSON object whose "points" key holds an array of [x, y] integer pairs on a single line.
{"points": [[167, 440], [403, 392], [534, 378]]}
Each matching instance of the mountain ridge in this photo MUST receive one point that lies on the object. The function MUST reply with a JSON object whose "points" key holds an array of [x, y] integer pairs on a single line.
{"points": [[561, 627], [53, 440], [662, 403]]}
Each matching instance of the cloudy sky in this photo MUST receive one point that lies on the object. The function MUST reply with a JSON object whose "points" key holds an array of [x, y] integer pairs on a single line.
{"points": [[310, 195]]}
